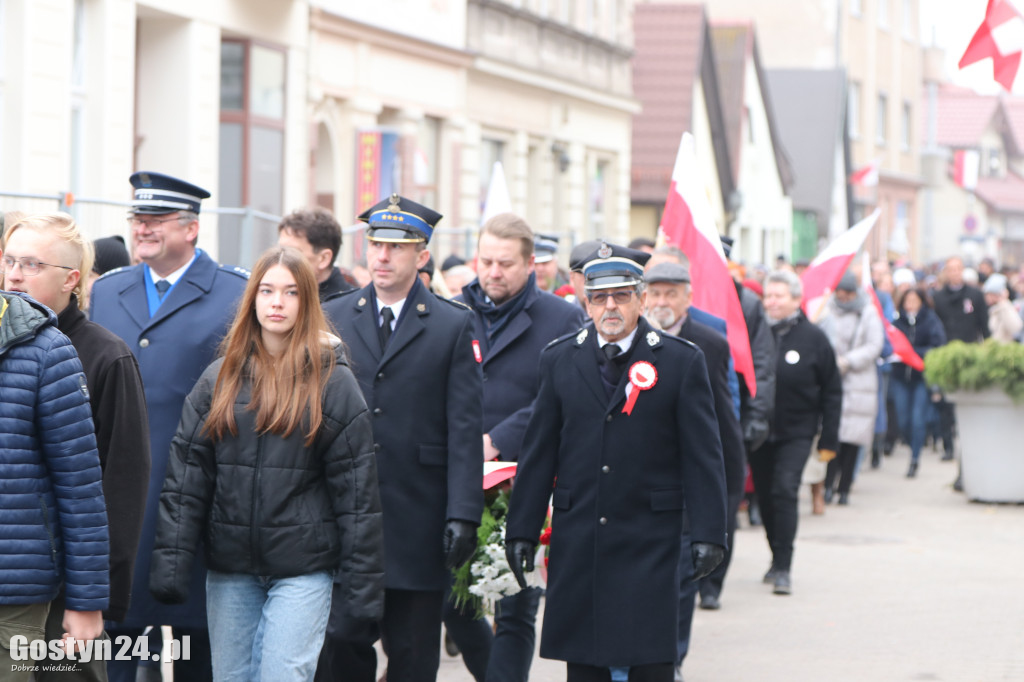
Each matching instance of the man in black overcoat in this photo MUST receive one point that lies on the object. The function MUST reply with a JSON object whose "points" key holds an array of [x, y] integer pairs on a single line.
{"points": [[413, 355], [624, 434]]}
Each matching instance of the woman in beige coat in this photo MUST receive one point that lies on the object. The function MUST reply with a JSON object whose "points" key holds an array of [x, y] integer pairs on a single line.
{"points": [[855, 331], [1004, 322]]}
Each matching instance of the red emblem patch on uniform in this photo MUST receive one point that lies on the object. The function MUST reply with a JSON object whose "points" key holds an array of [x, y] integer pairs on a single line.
{"points": [[476, 351], [642, 376]]}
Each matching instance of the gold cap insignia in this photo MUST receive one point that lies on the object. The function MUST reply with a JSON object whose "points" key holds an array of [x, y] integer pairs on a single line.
{"points": [[393, 203], [652, 338], [605, 251], [581, 337]]}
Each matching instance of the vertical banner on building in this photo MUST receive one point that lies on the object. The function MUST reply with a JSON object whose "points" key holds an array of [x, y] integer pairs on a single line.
{"points": [[376, 166]]}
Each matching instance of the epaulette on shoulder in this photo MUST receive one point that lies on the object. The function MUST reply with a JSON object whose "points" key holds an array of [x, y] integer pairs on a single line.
{"points": [[452, 301], [685, 342], [115, 271], [566, 337], [339, 294], [236, 270]]}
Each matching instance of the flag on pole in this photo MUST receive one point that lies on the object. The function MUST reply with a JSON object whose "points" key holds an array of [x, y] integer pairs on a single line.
{"points": [[689, 224], [823, 274], [965, 168], [867, 175], [1001, 38], [498, 200], [901, 345]]}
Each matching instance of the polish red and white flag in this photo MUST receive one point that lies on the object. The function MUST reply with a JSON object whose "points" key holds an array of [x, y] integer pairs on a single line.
{"points": [[901, 346], [823, 274], [689, 223], [867, 175], [999, 38], [965, 168]]}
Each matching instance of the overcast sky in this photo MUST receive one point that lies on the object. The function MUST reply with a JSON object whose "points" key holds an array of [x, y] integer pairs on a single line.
{"points": [[953, 23]]}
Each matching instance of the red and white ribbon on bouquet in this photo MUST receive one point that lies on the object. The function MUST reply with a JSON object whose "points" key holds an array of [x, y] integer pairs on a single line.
{"points": [[642, 377]]}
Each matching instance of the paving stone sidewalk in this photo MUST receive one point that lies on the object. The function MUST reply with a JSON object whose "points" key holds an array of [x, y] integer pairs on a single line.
{"points": [[909, 582]]}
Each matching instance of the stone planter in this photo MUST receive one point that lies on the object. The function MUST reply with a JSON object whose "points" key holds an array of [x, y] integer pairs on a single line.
{"points": [[991, 426]]}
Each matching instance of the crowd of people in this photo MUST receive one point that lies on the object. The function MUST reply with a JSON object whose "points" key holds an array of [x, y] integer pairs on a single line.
{"points": [[284, 466]]}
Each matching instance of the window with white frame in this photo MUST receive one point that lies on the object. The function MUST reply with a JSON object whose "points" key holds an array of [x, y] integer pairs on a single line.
{"points": [[491, 150], [855, 8], [853, 109], [881, 118], [883, 13], [908, 19]]}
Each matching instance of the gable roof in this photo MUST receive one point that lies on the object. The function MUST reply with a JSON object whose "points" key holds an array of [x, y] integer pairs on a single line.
{"points": [[810, 109], [1004, 194], [672, 55], [961, 116], [734, 43]]}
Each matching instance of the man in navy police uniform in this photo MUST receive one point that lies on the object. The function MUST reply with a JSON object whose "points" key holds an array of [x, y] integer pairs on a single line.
{"points": [[624, 433], [413, 355], [172, 311]]}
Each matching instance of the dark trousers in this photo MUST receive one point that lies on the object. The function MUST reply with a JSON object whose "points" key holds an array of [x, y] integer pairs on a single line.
{"points": [[687, 593], [410, 634], [199, 666], [712, 584], [776, 468], [654, 672], [473, 636], [842, 466], [947, 424]]}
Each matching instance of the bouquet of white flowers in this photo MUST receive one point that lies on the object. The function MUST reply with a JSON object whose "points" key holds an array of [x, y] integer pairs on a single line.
{"points": [[487, 578]]}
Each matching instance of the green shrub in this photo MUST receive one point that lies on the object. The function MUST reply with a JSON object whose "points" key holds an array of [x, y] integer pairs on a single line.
{"points": [[960, 366]]}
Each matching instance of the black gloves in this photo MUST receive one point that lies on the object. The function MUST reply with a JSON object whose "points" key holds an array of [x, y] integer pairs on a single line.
{"points": [[706, 557], [519, 552], [755, 433], [459, 542]]}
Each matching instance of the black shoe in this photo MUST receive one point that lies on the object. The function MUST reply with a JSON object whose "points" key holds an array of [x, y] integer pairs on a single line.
{"points": [[828, 495], [947, 456], [876, 459], [782, 584], [769, 577], [844, 499], [912, 471], [450, 647], [709, 602], [958, 484]]}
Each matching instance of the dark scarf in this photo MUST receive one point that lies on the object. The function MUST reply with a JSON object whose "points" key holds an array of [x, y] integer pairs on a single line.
{"points": [[497, 317]]}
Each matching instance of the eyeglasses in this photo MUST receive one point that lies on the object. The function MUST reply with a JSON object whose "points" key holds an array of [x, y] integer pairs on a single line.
{"points": [[136, 221], [29, 266], [601, 297]]}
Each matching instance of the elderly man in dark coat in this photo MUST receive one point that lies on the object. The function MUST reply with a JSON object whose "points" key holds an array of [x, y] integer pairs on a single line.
{"points": [[624, 433]]}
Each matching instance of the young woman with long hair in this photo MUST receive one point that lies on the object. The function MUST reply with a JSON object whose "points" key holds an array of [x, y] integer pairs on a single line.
{"points": [[273, 469]]}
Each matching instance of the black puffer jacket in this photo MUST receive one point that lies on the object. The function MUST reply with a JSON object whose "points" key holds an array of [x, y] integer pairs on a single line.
{"points": [[268, 505]]}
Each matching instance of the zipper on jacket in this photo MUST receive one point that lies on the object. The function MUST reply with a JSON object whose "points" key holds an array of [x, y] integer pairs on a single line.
{"points": [[254, 524], [49, 532]]}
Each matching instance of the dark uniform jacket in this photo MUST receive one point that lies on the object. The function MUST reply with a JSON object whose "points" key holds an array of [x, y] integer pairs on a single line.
{"points": [[118, 404], [334, 285], [172, 348], [511, 362], [808, 386], [716, 354], [622, 483], [963, 312], [762, 352], [266, 504], [424, 395]]}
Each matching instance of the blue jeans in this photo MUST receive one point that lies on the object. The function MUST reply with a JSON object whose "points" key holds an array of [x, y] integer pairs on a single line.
{"points": [[264, 628], [911, 403]]}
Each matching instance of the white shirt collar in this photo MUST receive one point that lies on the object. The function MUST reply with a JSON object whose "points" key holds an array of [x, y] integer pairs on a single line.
{"points": [[624, 343], [396, 308], [173, 278]]}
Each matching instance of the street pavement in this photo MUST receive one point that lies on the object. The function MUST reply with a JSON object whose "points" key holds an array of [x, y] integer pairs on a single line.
{"points": [[911, 581]]}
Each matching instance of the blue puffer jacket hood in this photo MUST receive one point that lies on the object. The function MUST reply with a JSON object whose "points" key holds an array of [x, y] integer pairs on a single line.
{"points": [[51, 496]]}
